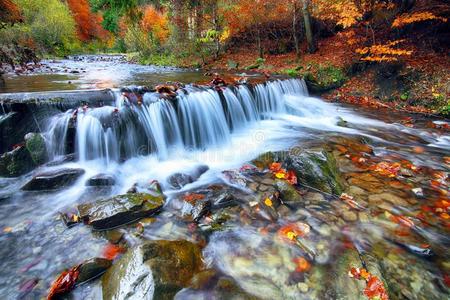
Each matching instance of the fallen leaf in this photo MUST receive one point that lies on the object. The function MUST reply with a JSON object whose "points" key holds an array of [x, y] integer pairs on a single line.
{"points": [[64, 283]]}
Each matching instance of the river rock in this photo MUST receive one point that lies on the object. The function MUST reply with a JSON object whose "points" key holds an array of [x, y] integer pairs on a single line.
{"points": [[101, 180], [346, 287], [120, 210], [178, 180], [154, 270], [287, 192], [393, 199], [53, 180], [16, 162], [93, 268], [35, 144], [316, 169]]}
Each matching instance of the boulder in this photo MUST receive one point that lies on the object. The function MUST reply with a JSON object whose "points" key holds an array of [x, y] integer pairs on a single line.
{"points": [[101, 180], [93, 268], [35, 144], [16, 162], [154, 270], [316, 169], [120, 210], [53, 180], [179, 180]]}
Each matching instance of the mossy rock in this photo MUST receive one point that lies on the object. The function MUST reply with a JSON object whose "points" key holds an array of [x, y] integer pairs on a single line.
{"points": [[120, 210], [154, 270], [16, 163], [318, 170], [35, 144]]}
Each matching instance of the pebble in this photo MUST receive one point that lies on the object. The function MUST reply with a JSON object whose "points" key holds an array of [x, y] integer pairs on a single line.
{"points": [[303, 287], [268, 181], [349, 216], [263, 188], [363, 217]]}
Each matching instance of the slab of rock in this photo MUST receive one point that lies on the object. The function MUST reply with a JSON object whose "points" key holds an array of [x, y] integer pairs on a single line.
{"points": [[53, 180], [120, 210], [154, 270], [101, 180]]}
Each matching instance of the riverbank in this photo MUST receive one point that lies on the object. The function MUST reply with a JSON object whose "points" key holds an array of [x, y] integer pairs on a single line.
{"points": [[417, 83]]}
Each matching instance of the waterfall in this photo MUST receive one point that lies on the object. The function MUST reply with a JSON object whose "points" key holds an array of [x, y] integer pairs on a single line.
{"points": [[196, 119]]}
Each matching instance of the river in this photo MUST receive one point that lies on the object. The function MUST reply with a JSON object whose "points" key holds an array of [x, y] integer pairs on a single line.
{"points": [[393, 167]]}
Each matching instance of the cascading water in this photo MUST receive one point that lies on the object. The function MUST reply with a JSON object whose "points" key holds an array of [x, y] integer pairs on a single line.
{"points": [[194, 120]]}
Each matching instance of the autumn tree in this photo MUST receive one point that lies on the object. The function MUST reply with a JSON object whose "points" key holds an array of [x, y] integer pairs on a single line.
{"points": [[9, 13], [88, 23]]}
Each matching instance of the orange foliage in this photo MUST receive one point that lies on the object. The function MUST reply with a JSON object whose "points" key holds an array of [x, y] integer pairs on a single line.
{"points": [[9, 12], [385, 52], [88, 23], [155, 22], [406, 19]]}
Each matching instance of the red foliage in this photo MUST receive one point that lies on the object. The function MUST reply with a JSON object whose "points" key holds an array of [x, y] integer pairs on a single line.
{"points": [[88, 24], [64, 283]]}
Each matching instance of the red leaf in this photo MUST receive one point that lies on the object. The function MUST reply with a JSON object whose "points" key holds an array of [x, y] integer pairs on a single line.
{"points": [[64, 283]]}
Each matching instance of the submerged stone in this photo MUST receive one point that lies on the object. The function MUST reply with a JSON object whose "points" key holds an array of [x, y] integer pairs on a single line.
{"points": [[154, 270], [53, 180], [317, 169], [120, 210]]}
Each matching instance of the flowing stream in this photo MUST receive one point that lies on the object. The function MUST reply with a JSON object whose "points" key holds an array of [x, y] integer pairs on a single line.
{"points": [[136, 143]]}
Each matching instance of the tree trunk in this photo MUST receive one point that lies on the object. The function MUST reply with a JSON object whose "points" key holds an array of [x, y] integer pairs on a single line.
{"points": [[258, 42], [308, 28], [294, 32]]}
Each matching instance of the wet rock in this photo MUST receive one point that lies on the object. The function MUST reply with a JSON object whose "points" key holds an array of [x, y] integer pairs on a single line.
{"points": [[53, 180], [393, 199], [93, 268], [346, 287], [16, 162], [287, 192], [35, 144], [356, 191], [200, 209], [225, 199], [316, 169], [154, 270], [101, 180], [120, 210], [366, 181], [349, 216], [179, 180]]}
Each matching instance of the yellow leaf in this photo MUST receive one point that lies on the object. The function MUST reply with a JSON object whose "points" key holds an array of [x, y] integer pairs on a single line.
{"points": [[291, 235], [268, 202], [7, 229]]}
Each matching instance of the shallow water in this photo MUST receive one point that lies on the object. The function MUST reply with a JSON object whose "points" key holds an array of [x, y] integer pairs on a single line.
{"points": [[36, 245]]}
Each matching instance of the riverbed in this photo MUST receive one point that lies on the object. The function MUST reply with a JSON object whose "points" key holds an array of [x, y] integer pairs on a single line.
{"points": [[370, 190]]}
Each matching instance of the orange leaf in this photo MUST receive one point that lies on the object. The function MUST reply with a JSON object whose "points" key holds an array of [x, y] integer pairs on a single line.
{"points": [[111, 251], [64, 283], [302, 264]]}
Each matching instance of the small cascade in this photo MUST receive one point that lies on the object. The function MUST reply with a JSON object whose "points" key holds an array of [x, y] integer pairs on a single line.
{"points": [[56, 134], [196, 119]]}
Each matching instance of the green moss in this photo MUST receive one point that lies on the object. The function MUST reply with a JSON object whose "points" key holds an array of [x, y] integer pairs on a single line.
{"points": [[323, 78], [37, 148]]}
